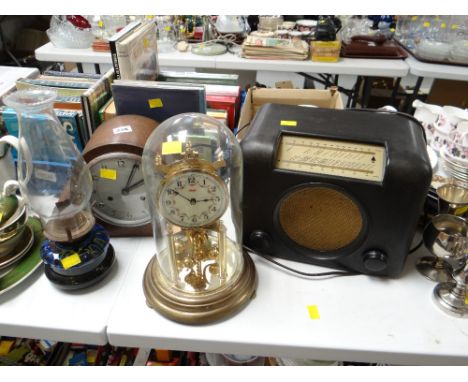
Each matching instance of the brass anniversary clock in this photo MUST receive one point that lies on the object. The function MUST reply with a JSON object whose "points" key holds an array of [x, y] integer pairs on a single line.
{"points": [[192, 166], [113, 155]]}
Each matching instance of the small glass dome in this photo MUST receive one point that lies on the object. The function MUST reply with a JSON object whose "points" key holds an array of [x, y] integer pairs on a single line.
{"points": [[192, 166], [52, 172]]}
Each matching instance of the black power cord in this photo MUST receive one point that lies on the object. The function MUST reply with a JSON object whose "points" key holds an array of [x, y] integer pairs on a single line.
{"points": [[320, 274]]}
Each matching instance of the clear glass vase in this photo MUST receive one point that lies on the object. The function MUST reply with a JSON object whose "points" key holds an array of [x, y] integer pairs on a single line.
{"points": [[51, 171]]}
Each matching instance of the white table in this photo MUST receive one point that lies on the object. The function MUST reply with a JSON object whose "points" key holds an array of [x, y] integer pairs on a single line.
{"points": [[422, 69], [361, 319], [37, 309], [363, 67], [9, 75]]}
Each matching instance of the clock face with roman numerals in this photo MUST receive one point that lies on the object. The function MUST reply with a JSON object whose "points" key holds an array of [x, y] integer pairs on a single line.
{"points": [[193, 199]]}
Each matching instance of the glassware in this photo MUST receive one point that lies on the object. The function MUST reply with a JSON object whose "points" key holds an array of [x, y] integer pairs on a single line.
{"points": [[63, 34], [192, 166], [54, 178]]}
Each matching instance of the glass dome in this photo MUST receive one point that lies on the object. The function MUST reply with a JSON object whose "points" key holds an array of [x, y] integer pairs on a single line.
{"points": [[51, 171], [192, 166]]}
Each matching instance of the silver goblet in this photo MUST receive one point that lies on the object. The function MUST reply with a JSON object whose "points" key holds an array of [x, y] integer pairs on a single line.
{"points": [[446, 237]]}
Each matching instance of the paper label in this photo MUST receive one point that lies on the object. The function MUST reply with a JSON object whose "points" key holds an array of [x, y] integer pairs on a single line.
{"points": [[454, 26], [169, 148], [443, 25], [167, 28], [145, 43], [313, 312], [155, 102], [414, 18], [100, 24], [45, 175], [122, 129], [70, 261], [108, 173], [1, 216], [466, 299], [288, 123], [426, 24]]}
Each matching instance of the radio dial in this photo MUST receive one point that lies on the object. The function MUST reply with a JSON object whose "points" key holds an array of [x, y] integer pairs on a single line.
{"points": [[375, 261]]}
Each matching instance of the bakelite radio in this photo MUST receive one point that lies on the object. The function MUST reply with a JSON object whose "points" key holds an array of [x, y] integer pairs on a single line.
{"points": [[337, 188]]}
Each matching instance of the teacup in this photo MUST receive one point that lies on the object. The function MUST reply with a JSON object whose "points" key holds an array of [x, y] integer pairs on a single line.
{"points": [[428, 115], [458, 146]]}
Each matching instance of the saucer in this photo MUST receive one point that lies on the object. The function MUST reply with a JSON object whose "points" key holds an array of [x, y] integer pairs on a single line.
{"points": [[432, 157], [21, 249]]}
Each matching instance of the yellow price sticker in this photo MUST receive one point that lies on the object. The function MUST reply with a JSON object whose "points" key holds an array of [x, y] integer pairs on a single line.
{"points": [[167, 28], [145, 43], [155, 102], [108, 173], [454, 26], [466, 299], [70, 261], [414, 18], [100, 24], [169, 148], [443, 25], [123, 361], [313, 312], [5, 347], [1, 216], [91, 356], [426, 24], [288, 123]]}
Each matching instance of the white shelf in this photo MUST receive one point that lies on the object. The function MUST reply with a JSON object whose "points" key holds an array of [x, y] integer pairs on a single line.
{"points": [[445, 72], [37, 309], [362, 318]]}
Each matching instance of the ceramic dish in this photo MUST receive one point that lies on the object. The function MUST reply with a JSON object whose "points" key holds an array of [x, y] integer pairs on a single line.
{"points": [[25, 267], [21, 249]]}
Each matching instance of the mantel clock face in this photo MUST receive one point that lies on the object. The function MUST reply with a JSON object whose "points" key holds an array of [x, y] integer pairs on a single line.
{"points": [[193, 198], [119, 195]]}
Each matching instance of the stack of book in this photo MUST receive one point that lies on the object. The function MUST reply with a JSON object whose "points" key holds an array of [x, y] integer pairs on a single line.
{"points": [[267, 48], [222, 92], [134, 52], [80, 97]]}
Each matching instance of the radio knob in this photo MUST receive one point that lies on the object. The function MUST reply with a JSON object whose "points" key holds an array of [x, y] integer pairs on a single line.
{"points": [[375, 260], [260, 240]]}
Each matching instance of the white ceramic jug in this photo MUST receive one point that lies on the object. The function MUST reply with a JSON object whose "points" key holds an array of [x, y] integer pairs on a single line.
{"points": [[428, 115]]}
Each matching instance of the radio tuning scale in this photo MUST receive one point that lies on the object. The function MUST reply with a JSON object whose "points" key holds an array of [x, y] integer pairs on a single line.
{"points": [[331, 157]]}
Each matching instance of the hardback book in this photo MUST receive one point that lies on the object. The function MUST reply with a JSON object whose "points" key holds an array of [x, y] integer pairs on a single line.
{"points": [[60, 82], [93, 99], [200, 78], [56, 73], [107, 111], [157, 100], [137, 54], [227, 103], [119, 36], [24, 84]]}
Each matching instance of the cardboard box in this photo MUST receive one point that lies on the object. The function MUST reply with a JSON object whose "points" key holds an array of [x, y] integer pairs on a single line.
{"points": [[256, 97]]}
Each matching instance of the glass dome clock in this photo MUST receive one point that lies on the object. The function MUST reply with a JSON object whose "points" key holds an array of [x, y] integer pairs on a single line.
{"points": [[192, 166]]}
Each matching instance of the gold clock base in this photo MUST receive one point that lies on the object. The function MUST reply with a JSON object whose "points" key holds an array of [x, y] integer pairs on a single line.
{"points": [[196, 308]]}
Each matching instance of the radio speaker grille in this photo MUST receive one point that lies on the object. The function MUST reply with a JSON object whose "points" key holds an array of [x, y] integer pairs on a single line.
{"points": [[320, 218]]}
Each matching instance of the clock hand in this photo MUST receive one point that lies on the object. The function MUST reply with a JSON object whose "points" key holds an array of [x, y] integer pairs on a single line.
{"points": [[192, 201], [204, 200], [130, 177], [127, 189]]}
